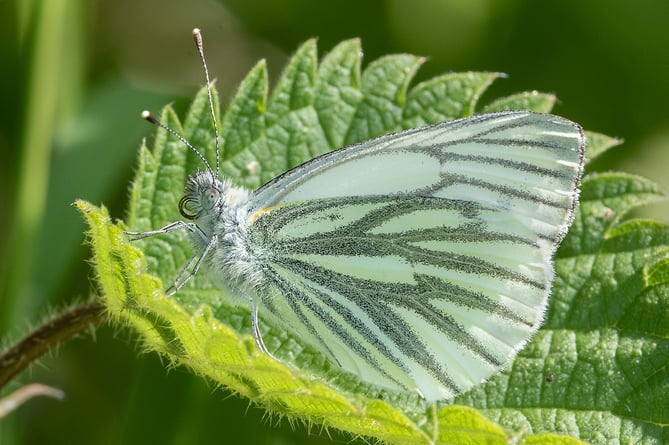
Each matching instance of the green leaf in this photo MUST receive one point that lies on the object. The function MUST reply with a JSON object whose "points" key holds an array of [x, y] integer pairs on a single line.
{"points": [[599, 143], [531, 100], [445, 97], [596, 371]]}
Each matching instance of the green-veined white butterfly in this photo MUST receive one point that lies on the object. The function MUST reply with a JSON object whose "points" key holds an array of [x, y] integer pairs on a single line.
{"points": [[418, 261]]}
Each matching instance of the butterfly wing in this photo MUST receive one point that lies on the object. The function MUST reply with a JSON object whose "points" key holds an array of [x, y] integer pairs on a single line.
{"points": [[421, 260]]}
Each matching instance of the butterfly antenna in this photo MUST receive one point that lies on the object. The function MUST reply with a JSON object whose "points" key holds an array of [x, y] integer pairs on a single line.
{"points": [[146, 115], [197, 36]]}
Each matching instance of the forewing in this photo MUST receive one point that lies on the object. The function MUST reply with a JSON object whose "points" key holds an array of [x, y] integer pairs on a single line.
{"points": [[421, 260]]}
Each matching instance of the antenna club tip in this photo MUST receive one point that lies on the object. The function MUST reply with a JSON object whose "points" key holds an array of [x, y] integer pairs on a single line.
{"points": [[146, 115], [197, 36]]}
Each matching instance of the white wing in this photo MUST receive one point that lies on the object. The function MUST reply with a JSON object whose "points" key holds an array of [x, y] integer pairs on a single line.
{"points": [[421, 260]]}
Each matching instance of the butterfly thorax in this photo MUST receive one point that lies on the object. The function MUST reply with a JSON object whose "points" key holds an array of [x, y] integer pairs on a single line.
{"points": [[220, 210]]}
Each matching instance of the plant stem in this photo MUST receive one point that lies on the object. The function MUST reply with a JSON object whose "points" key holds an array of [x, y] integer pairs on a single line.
{"points": [[47, 336]]}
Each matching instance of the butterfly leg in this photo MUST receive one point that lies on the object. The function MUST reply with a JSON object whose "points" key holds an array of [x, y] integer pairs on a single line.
{"points": [[185, 275], [170, 291], [177, 225], [257, 335]]}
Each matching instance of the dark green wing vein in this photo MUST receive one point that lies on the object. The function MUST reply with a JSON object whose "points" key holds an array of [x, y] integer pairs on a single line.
{"points": [[506, 163], [508, 191]]}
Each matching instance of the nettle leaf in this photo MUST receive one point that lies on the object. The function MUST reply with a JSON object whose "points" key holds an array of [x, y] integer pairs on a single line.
{"points": [[596, 371]]}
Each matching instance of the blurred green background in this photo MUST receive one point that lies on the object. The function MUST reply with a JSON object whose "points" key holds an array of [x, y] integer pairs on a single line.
{"points": [[76, 74]]}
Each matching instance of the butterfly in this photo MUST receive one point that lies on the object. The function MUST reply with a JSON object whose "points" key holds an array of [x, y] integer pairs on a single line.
{"points": [[419, 261]]}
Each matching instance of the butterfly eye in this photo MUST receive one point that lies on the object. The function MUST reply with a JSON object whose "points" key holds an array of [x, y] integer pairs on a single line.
{"points": [[211, 196]]}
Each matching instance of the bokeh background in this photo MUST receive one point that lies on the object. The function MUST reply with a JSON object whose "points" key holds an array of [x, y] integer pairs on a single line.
{"points": [[76, 74]]}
